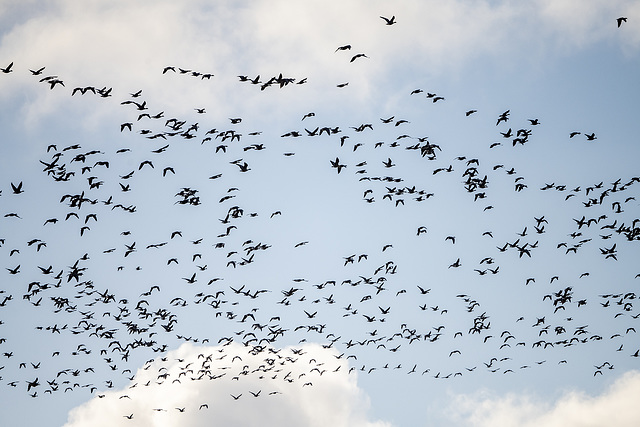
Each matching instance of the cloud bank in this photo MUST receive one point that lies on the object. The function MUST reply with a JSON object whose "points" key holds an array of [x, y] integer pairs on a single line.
{"points": [[234, 385], [617, 406]]}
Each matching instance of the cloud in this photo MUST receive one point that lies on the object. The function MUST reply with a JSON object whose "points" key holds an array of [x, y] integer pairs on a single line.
{"points": [[617, 406], [127, 44], [234, 385], [575, 24]]}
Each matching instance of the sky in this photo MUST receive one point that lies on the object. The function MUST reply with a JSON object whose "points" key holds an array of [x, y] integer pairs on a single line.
{"points": [[364, 214]]}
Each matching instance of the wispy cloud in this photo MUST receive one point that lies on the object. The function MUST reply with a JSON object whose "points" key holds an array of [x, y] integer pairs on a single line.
{"points": [[94, 43]]}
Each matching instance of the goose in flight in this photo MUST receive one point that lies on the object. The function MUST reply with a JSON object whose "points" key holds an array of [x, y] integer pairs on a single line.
{"points": [[17, 189], [503, 117], [389, 21], [336, 164], [358, 55], [37, 72], [8, 69], [456, 264]]}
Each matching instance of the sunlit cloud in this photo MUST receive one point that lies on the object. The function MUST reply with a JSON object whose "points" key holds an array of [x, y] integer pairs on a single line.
{"points": [[235, 385], [616, 406]]}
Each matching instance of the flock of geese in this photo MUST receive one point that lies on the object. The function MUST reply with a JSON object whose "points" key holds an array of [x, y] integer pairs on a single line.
{"points": [[104, 329]]}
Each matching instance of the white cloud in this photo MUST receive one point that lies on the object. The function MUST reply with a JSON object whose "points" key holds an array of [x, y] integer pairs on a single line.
{"points": [[294, 387], [127, 44], [617, 406]]}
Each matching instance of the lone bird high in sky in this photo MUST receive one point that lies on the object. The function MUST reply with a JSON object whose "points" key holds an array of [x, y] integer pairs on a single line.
{"points": [[414, 214]]}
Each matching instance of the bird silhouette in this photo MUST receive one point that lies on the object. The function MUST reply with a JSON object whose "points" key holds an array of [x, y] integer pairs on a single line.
{"points": [[7, 69], [389, 21]]}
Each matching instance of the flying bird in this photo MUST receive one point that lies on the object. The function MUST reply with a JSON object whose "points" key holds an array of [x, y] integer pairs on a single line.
{"points": [[358, 55], [336, 164], [7, 69], [389, 21], [37, 72], [17, 189]]}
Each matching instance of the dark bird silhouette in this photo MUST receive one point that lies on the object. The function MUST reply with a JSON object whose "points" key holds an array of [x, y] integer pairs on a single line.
{"points": [[389, 21], [336, 164], [32, 384], [359, 55], [17, 189], [423, 291], [191, 279], [7, 69], [37, 72], [503, 117]]}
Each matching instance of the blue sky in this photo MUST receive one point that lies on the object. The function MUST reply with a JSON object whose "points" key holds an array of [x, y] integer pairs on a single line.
{"points": [[488, 226]]}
